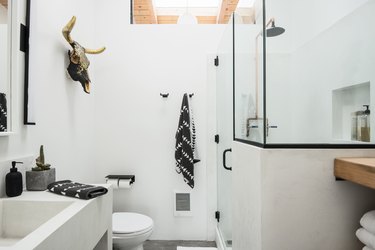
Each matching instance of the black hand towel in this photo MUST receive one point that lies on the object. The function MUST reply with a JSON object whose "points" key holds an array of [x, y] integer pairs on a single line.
{"points": [[76, 190], [3, 113], [184, 152]]}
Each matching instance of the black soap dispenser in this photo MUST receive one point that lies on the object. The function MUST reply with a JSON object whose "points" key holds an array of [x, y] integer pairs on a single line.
{"points": [[13, 181]]}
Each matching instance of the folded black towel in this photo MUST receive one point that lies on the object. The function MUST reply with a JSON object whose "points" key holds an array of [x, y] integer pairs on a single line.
{"points": [[3, 113], [76, 190]]}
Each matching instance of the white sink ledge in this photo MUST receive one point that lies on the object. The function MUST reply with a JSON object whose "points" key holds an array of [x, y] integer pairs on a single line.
{"points": [[43, 220]]}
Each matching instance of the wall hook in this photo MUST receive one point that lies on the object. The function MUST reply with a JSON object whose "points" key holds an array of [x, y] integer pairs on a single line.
{"points": [[191, 95], [164, 95]]}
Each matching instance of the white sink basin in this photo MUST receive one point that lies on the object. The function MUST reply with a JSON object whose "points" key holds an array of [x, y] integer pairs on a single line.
{"points": [[19, 218], [41, 220]]}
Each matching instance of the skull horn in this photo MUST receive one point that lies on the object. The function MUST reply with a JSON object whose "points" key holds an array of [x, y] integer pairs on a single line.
{"points": [[66, 33], [68, 28], [94, 51]]}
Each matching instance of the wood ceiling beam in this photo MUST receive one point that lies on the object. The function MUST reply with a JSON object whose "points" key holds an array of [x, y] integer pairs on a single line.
{"points": [[4, 3], [226, 10], [206, 19], [167, 19], [143, 12]]}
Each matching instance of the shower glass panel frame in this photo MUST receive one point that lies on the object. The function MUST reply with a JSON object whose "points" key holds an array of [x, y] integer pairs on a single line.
{"points": [[224, 125], [282, 101]]}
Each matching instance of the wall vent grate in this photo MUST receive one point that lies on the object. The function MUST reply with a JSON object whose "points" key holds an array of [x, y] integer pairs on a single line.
{"points": [[182, 203]]}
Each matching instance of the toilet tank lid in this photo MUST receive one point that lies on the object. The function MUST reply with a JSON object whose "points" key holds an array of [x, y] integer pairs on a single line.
{"points": [[127, 223]]}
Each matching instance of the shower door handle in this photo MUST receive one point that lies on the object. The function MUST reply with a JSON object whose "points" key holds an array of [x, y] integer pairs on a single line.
{"points": [[225, 159]]}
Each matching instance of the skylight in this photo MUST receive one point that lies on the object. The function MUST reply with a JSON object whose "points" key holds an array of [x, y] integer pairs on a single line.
{"points": [[205, 11], [184, 3], [197, 3]]}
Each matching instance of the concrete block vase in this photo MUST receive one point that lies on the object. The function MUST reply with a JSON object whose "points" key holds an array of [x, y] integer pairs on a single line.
{"points": [[39, 180]]}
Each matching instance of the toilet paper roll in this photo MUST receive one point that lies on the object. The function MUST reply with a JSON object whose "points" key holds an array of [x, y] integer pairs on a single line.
{"points": [[113, 183], [124, 183]]}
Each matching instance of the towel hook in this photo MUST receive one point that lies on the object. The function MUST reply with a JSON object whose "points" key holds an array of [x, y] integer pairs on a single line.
{"points": [[191, 95], [164, 95]]}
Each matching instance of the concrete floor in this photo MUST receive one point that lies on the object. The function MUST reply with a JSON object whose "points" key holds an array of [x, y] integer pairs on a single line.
{"points": [[172, 245]]}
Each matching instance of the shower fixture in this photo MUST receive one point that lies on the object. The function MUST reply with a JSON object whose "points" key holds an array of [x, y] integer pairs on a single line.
{"points": [[249, 126], [273, 30], [270, 32]]}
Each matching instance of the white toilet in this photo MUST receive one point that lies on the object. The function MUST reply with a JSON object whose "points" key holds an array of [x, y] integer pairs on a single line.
{"points": [[130, 230]]}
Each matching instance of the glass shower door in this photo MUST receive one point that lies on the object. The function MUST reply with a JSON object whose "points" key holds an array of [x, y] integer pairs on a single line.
{"points": [[224, 106]]}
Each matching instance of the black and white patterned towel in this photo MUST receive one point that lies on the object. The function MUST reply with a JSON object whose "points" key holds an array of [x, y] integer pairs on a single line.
{"points": [[193, 136], [3, 113], [184, 150], [76, 190]]}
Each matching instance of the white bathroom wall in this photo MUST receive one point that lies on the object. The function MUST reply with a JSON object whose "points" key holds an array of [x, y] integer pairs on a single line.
{"points": [[64, 114], [61, 106], [310, 18], [135, 126], [304, 20], [295, 200], [123, 126]]}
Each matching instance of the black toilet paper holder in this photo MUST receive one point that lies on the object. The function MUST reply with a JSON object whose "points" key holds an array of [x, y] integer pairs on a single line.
{"points": [[122, 177]]}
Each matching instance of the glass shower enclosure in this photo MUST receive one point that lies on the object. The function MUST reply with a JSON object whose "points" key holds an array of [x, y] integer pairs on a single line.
{"points": [[303, 75], [294, 74], [297, 74]]}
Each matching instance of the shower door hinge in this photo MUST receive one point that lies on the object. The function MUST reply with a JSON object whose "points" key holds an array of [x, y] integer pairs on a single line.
{"points": [[217, 139], [217, 61], [217, 216]]}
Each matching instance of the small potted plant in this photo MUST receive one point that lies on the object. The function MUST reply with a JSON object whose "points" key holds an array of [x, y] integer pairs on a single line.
{"points": [[38, 178]]}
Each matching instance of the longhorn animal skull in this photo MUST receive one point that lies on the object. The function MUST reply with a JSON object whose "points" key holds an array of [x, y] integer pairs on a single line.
{"points": [[79, 63]]}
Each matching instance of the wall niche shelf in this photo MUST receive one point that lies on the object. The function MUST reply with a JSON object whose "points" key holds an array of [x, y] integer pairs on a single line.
{"points": [[357, 170], [345, 101]]}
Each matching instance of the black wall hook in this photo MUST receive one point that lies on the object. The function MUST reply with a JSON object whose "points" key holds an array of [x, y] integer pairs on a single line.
{"points": [[164, 95], [191, 95]]}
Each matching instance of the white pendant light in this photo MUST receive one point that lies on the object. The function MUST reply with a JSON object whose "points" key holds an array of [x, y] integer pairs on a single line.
{"points": [[187, 18]]}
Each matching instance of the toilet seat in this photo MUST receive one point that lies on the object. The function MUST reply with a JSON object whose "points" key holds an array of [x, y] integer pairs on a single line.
{"points": [[130, 224]]}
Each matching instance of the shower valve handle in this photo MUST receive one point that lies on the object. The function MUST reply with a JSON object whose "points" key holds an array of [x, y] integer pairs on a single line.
{"points": [[268, 128]]}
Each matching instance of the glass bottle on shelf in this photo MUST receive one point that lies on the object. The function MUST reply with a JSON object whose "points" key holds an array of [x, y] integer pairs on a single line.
{"points": [[364, 124], [354, 134]]}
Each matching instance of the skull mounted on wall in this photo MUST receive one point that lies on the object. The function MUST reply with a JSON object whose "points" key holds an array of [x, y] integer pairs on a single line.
{"points": [[79, 62]]}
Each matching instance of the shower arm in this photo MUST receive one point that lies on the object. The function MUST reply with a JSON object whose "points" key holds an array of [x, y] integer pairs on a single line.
{"points": [[271, 21], [248, 120]]}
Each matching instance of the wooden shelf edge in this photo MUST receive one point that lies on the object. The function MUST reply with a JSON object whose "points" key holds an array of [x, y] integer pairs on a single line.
{"points": [[358, 170]]}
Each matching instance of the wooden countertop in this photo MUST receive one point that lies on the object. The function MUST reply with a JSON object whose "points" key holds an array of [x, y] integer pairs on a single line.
{"points": [[357, 170]]}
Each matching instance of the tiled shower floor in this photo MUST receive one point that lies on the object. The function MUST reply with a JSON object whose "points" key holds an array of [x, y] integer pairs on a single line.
{"points": [[172, 245]]}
